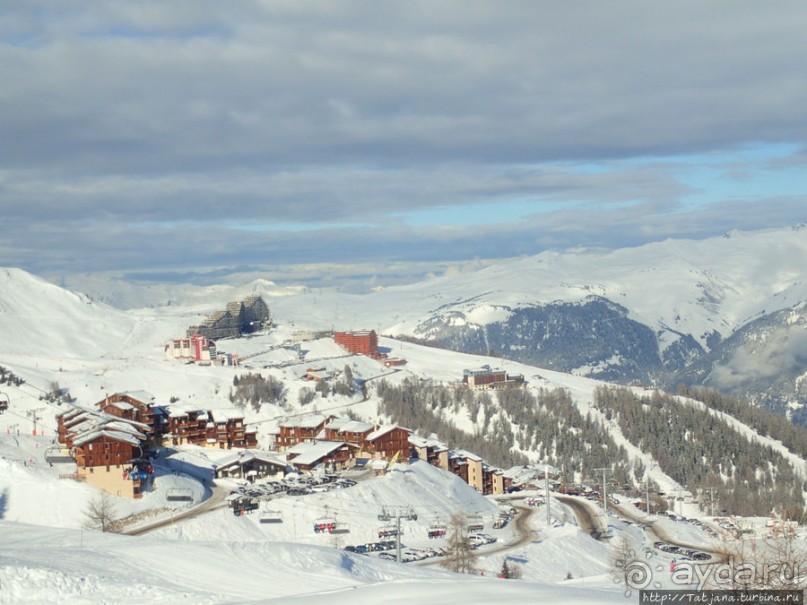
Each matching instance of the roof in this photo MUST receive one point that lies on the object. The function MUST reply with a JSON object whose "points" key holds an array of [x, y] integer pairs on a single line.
{"points": [[225, 414], [356, 426], [141, 396], [177, 410], [310, 421], [338, 423], [383, 430], [98, 420], [465, 454], [315, 451], [122, 405], [97, 434], [424, 442], [249, 455]]}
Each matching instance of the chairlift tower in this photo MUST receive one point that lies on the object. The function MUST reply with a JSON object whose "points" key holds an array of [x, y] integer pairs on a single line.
{"points": [[35, 416], [605, 470], [397, 513]]}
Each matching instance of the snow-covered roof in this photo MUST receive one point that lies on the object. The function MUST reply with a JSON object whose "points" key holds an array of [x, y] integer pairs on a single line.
{"points": [[338, 423], [97, 434], [122, 405], [314, 451], [225, 414], [383, 430], [94, 420], [310, 421], [424, 442], [465, 454], [247, 456], [355, 426], [141, 396]]}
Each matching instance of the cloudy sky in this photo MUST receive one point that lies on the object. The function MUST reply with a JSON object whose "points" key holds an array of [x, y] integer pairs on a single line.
{"points": [[169, 139]]}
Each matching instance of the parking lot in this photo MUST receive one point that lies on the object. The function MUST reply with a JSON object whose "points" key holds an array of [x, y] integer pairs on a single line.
{"points": [[294, 485]]}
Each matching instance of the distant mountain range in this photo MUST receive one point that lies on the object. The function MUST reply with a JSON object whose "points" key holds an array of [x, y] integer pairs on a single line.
{"points": [[727, 312]]}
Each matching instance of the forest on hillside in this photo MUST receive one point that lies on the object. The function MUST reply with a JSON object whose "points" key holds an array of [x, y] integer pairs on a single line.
{"points": [[701, 451]]}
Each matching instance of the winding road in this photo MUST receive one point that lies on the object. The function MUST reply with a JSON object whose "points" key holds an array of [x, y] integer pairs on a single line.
{"points": [[214, 502]]}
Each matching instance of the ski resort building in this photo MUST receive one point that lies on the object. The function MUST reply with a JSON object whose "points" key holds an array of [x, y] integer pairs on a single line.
{"points": [[468, 467], [238, 318], [347, 430], [251, 465], [487, 378], [300, 430], [361, 343], [333, 455], [430, 450], [196, 347], [388, 442], [222, 428], [110, 451]]}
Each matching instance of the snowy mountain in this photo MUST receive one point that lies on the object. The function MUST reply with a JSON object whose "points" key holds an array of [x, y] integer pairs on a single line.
{"points": [[728, 312], [51, 335]]}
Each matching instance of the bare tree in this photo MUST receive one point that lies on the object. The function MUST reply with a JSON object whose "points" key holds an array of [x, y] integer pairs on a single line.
{"points": [[777, 561], [100, 513], [621, 562], [460, 556]]}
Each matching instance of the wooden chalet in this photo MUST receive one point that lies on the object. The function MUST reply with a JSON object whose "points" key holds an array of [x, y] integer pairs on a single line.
{"points": [[222, 428], [300, 429], [110, 454], [138, 406], [349, 431], [252, 465], [333, 455], [388, 442]]}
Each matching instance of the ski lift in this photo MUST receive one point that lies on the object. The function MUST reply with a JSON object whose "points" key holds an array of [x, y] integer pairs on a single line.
{"points": [[271, 516], [341, 528], [55, 455], [389, 531], [324, 525], [4, 402], [475, 523], [437, 529], [179, 494]]}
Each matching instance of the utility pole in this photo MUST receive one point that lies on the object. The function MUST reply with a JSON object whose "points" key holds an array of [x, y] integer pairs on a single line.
{"points": [[34, 414], [604, 470], [546, 495], [397, 513]]}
